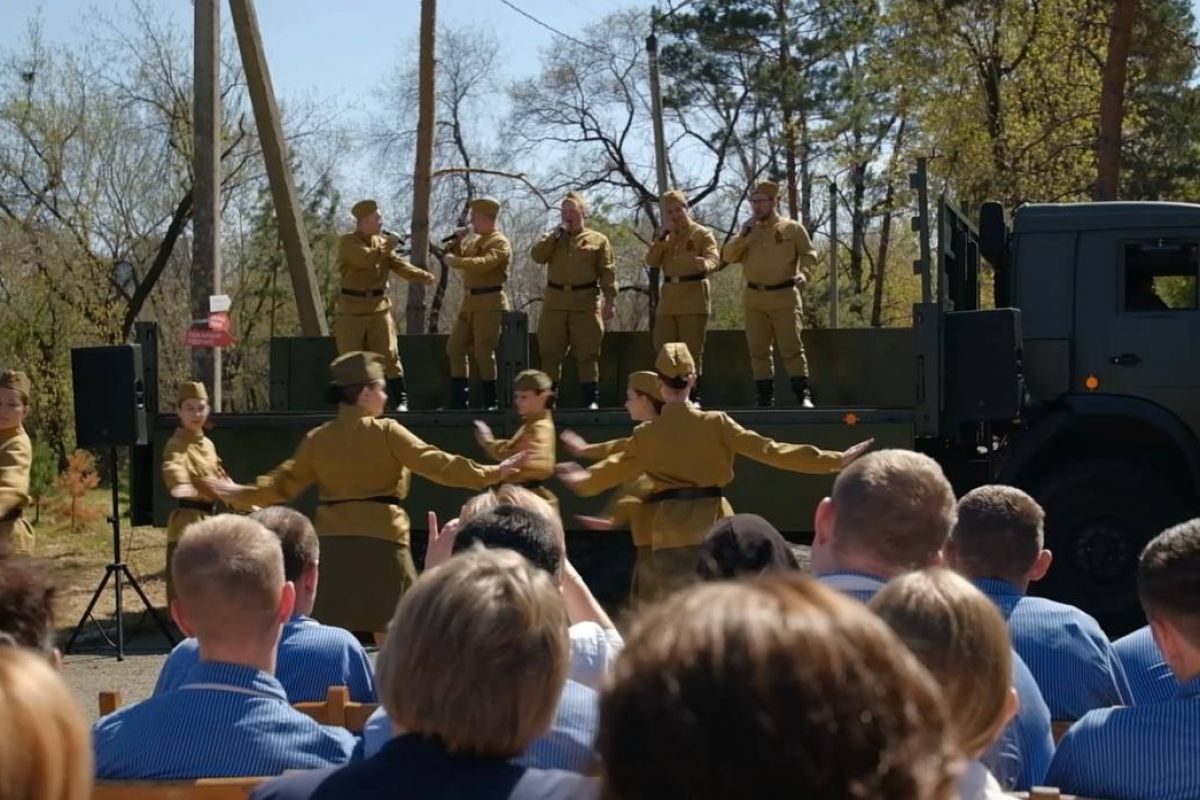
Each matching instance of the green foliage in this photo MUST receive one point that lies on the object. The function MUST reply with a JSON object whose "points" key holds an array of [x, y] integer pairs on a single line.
{"points": [[41, 474]]}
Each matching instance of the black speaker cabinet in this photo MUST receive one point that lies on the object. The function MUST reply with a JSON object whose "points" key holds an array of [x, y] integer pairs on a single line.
{"points": [[983, 369], [110, 396]]}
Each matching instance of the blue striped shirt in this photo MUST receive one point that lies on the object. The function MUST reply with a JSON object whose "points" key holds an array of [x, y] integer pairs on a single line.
{"points": [[225, 720], [1020, 757], [1149, 752], [1150, 679], [1070, 657], [568, 745], [311, 658]]}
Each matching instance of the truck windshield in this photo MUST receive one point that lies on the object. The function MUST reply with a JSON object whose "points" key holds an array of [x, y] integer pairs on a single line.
{"points": [[1161, 275]]}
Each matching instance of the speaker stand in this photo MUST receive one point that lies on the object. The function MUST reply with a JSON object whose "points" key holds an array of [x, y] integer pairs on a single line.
{"points": [[118, 570]]}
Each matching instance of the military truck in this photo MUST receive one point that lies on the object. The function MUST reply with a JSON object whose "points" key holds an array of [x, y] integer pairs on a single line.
{"points": [[1080, 385]]}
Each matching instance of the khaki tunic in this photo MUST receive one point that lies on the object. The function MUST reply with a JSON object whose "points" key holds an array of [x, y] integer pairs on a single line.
{"points": [[689, 448], [684, 306], [535, 435], [187, 458], [483, 264], [16, 459]]}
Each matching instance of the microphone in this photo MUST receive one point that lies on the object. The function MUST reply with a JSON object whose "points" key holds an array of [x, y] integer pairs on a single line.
{"points": [[449, 239], [392, 234]]}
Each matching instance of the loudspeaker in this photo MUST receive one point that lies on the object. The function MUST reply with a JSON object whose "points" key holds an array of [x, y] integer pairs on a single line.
{"points": [[984, 375], [110, 396]]}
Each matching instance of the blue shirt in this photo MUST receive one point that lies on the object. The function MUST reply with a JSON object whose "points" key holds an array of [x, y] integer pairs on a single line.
{"points": [[1150, 679], [1021, 755], [311, 658], [1149, 752], [1070, 657], [568, 745], [225, 720]]}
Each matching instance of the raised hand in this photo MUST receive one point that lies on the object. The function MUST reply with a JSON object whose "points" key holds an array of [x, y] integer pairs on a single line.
{"points": [[483, 434], [441, 541], [570, 473], [595, 523], [573, 442], [514, 463]]}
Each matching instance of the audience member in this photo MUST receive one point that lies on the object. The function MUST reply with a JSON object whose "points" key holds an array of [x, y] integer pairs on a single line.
{"points": [[957, 633], [1149, 751], [744, 544], [230, 717], [773, 688], [997, 543], [27, 606], [45, 752], [1150, 679], [311, 656], [470, 673]]}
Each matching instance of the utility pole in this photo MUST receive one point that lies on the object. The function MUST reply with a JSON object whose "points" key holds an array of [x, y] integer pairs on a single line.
{"points": [[205, 279], [833, 255], [423, 171], [660, 154]]}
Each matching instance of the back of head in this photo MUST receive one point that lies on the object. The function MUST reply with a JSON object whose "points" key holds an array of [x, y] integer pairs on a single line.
{"points": [[228, 573], [998, 533], [744, 544], [776, 687], [297, 538], [529, 533], [895, 507], [45, 744], [1169, 579], [26, 604], [961, 638], [476, 654]]}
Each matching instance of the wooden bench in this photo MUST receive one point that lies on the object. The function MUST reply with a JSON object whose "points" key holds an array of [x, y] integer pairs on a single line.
{"points": [[203, 789]]}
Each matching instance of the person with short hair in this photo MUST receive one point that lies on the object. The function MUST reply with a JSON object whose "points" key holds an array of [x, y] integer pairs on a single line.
{"points": [[229, 717], [1148, 752], [45, 747], [996, 542], [471, 673], [27, 606], [743, 545], [16, 460], [958, 634], [311, 657], [774, 687], [533, 398]]}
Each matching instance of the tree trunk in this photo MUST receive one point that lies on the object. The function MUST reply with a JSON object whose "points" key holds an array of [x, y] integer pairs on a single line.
{"points": [[206, 217], [1112, 99], [858, 226], [423, 171], [805, 171], [885, 233], [785, 107]]}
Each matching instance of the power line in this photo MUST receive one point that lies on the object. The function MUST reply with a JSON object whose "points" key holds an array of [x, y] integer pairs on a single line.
{"points": [[602, 51]]}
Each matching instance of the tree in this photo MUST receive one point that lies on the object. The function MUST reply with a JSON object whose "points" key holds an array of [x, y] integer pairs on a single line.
{"points": [[1112, 98]]}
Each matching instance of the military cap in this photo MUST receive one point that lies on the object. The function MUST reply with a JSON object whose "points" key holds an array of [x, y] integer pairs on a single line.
{"points": [[577, 200], [533, 380], [190, 390], [769, 188], [486, 205], [674, 196], [645, 382], [357, 367], [675, 361], [18, 381], [364, 208]]}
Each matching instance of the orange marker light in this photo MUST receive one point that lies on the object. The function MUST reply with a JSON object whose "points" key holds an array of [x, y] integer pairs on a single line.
{"points": [[1092, 383], [851, 418]]}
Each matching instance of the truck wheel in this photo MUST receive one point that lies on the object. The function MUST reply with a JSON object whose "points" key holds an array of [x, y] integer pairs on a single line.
{"points": [[1099, 516]]}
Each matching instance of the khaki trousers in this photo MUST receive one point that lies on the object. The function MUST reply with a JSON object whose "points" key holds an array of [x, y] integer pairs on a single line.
{"points": [[764, 329], [687, 328], [475, 334], [375, 332], [577, 332]]}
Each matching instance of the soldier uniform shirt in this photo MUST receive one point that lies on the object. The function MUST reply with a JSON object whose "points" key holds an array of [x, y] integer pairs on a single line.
{"points": [[1071, 659], [311, 658], [775, 251], [225, 720], [187, 458], [536, 436], [580, 260], [1145, 752], [1150, 679], [675, 257], [483, 264], [16, 459], [364, 263]]}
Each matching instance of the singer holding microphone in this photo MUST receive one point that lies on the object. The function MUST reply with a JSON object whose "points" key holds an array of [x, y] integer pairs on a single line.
{"points": [[364, 321]]}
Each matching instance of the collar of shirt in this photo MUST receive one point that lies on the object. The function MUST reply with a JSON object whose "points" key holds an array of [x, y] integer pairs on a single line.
{"points": [[769, 222], [852, 581], [996, 587], [189, 436], [9, 433], [220, 676], [1189, 688], [535, 416], [352, 412], [679, 408], [299, 620]]}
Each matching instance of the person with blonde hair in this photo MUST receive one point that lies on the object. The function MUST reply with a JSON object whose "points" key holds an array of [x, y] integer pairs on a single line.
{"points": [[470, 674], [45, 748], [961, 638], [774, 687]]}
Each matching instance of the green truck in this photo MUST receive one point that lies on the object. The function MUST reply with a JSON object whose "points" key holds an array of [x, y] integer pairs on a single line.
{"points": [[1081, 385]]}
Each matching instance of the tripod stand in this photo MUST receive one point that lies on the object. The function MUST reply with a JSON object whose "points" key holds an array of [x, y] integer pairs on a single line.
{"points": [[118, 570]]}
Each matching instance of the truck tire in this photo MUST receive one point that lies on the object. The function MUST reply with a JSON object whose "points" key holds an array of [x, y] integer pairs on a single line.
{"points": [[1099, 515]]}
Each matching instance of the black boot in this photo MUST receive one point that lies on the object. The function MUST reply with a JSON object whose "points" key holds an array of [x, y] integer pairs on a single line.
{"points": [[397, 394], [460, 389], [591, 395], [766, 393], [490, 402], [800, 389]]}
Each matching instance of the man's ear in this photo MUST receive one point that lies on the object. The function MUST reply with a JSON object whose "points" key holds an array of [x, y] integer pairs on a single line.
{"points": [[287, 603], [180, 616], [823, 522], [1041, 566]]}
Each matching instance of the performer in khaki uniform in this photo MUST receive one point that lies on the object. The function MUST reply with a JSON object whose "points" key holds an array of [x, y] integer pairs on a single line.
{"points": [[533, 397], [688, 455], [482, 260], [16, 459], [580, 269], [364, 310], [360, 464], [776, 254], [685, 252]]}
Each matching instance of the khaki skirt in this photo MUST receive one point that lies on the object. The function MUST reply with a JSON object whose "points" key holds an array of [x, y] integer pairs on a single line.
{"points": [[362, 580]]}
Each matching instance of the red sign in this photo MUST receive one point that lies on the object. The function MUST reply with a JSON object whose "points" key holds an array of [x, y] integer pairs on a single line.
{"points": [[218, 321], [204, 337]]}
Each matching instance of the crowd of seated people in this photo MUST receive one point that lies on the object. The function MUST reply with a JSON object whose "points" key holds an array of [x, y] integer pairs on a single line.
{"points": [[911, 663]]}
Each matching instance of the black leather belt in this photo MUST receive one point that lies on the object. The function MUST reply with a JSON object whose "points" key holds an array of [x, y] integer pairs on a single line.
{"points": [[771, 287], [486, 290], [686, 493], [13, 514], [385, 499], [198, 505], [572, 287], [699, 276], [367, 293]]}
